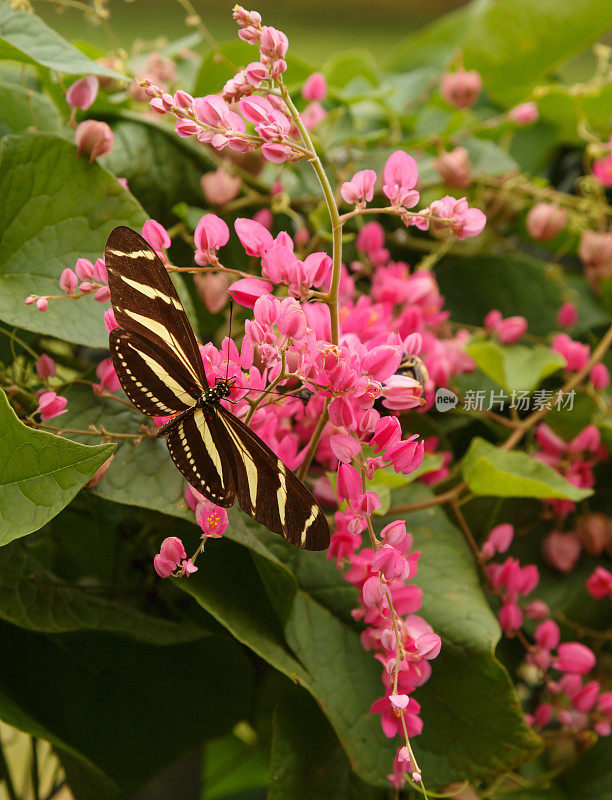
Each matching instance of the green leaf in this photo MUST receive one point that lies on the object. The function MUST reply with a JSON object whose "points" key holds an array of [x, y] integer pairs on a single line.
{"points": [[40, 473], [343, 67], [33, 597], [488, 470], [513, 285], [232, 766], [516, 367], [23, 109], [296, 748], [25, 37], [591, 778], [55, 208], [529, 40], [221, 64], [161, 169], [120, 708]]}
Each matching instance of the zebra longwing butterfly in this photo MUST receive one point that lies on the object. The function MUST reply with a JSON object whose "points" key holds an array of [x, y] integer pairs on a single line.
{"points": [[157, 360]]}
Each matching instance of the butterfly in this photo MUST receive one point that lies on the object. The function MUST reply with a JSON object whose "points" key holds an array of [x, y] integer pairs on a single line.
{"points": [[158, 363]]}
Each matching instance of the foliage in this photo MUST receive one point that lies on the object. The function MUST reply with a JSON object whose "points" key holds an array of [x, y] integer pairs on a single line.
{"points": [[260, 662]]}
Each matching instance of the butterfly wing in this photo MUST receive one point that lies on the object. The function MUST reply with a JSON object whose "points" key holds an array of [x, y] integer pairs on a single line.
{"points": [[195, 444], [268, 491], [157, 385], [145, 302]]}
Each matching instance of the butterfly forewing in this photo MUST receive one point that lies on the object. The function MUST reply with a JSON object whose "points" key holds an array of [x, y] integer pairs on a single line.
{"points": [[156, 385], [196, 447], [145, 301], [268, 491]]}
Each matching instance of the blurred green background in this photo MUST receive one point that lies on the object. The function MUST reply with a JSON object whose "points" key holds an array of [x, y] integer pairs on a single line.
{"points": [[315, 28]]}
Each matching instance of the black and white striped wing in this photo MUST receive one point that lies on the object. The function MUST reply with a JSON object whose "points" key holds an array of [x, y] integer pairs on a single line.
{"points": [[268, 491], [195, 444], [155, 384], [145, 302]]}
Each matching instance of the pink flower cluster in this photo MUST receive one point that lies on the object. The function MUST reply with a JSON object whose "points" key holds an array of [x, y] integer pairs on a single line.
{"points": [[568, 701], [508, 330]]}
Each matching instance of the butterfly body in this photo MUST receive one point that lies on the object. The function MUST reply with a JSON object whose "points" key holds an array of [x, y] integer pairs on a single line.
{"points": [[158, 362]]}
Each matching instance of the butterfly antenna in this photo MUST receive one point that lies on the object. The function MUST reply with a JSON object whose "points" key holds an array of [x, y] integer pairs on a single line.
{"points": [[229, 336]]}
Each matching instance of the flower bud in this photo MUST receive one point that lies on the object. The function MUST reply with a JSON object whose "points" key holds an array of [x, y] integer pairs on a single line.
{"points": [[567, 315], [212, 289], [600, 377], [68, 281], [156, 235], [561, 550], [545, 221], [83, 92], [93, 139], [315, 87], [461, 88], [45, 367], [454, 167], [220, 187], [524, 113], [574, 658]]}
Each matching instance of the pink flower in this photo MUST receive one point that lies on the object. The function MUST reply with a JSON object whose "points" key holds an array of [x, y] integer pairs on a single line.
{"points": [[402, 392], [188, 567], [220, 187], [45, 367], [585, 699], [51, 405], [392, 564], [545, 221], [156, 235], [510, 617], [498, 540], [211, 233], [93, 139], [561, 550], [387, 431], [83, 92], [454, 167], [315, 87], [344, 447], [461, 88], [360, 188], [246, 291], [212, 519], [169, 556], [108, 377], [549, 441], [588, 439], [599, 583], [524, 113], [254, 237], [567, 315], [68, 281], [400, 176], [406, 456], [99, 474], [574, 658], [600, 377], [575, 353], [547, 635], [348, 485], [465, 222], [602, 170], [275, 152], [273, 44], [109, 320]]}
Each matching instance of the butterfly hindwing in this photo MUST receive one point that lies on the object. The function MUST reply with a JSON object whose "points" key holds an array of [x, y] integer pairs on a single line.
{"points": [[145, 301], [196, 448], [269, 492], [156, 385]]}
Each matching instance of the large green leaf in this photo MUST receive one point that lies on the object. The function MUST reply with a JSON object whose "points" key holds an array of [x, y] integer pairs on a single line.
{"points": [[23, 109], [515, 368], [33, 597], [120, 708], [39, 474], [54, 208], [513, 285], [161, 169], [488, 470], [25, 37]]}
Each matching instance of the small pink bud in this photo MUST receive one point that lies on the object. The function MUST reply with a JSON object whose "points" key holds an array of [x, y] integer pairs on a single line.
{"points": [[561, 550], [510, 617], [30, 299], [595, 532], [315, 87], [511, 329], [574, 658], [45, 367], [68, 281], [84, 269], [567, 315], [585, 699], [599, 583], [42, 304], [348, 486], [545, 221], [400, 176], [600, 377], [51, 405], [547, 635], [183, 99], [156, 235], [212, 289], [246, 291], [83, 92], [211, 233], [461, 88], [220, 187], [93, 139], [454, 167], [498, 540], [537, 609], [524, 113], [588, 439], [109, 320]]}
